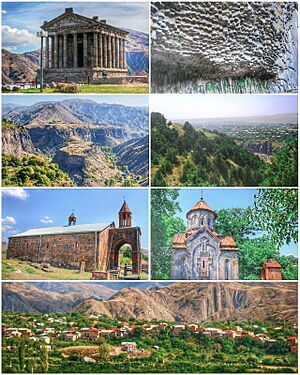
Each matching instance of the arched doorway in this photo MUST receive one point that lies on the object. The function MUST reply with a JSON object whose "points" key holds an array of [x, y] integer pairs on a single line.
{"points": [[123, 259]]}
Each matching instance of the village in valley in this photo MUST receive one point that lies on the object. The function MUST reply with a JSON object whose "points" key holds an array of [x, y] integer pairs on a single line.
{"points": [[71, 342]]}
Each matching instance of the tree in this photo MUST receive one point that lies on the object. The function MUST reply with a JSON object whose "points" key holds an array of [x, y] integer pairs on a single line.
{"points": [[164, 225], [21, 355], [44, 359], [283, 171], [235, 222], [276, 211]]}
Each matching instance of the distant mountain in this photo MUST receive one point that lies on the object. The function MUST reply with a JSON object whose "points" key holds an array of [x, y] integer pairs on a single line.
{"points": [[187, 302], [23, 67], [280, 118], [17, 68], [137, 55]]}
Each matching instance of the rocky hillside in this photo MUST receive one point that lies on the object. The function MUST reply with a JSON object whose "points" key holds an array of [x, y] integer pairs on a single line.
{"points": [[17, 68], [23, 67], [134, 154], [16, 140], [188, 302], [72, 132]]}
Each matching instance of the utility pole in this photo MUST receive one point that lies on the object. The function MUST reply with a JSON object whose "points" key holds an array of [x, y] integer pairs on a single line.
{"points": [[42, 34]]}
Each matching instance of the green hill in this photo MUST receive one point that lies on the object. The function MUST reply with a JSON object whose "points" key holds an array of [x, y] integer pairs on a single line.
{"points": [[32, 171], [184, 156]]}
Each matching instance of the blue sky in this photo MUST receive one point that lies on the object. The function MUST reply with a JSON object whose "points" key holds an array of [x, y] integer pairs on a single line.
{"points": [[218, 199], [213, 106], [128, 100], [24, 209], [22, 20]]}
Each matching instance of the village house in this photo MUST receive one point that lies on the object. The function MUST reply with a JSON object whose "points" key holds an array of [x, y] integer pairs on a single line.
{"points": [[128, 346], [178, 328], [89, 333], [192, 327]]}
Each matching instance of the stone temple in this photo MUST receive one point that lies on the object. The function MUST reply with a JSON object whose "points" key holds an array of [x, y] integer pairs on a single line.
{"points": [[82, 49], [201, 253], [86, 247]]}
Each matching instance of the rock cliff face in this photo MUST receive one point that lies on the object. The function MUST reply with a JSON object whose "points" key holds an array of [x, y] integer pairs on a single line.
{"points": [[84, 163], [264, 148], [16, 141], [224, 47], [137, 52], [17, 68], [202, 302], [188, 302], [134, 154]]}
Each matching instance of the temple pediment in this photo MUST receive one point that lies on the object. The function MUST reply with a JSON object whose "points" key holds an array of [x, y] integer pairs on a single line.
{"points": [[70, 21]]}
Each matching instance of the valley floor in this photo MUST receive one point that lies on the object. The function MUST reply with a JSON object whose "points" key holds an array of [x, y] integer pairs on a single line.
{"points": [[15, 269], [95, 89]]}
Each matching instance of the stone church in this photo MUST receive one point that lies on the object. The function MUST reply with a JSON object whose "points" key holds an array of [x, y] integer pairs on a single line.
{"points": [[86, 247], [79, 48], [201, 253]]}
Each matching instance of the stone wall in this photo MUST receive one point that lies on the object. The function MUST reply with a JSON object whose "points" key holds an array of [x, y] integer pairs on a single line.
{"points": [[61, 250]]}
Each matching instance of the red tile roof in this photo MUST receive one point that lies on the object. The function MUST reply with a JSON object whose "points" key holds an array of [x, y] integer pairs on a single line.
{"points": [[201, 205], [179, 239], [125, 208], [271, 263]]}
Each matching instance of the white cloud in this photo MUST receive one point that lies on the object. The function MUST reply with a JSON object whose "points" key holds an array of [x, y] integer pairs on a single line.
{"points": [[4, 11], [7, 228], [18, 193], [13, 37], [9, 220], [46, 220]]}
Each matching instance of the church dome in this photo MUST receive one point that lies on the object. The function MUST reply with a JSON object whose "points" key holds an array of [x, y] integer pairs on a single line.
{"points": [[201, 205], [201, 215]]}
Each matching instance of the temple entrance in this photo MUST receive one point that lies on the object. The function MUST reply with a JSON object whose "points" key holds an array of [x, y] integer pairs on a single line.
{"points": [[80, 55]]}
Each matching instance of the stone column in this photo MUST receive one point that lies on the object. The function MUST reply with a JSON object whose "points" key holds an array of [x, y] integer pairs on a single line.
{"points": [[75, 51], [85, 57], [117, 53], [124, 54], [95, 50], [113, 49], [52, 52], [100, 53], [109, 60], [55, 55], [47, 53], [65, 50], [105, 51], [60, 51], [121, 54]]}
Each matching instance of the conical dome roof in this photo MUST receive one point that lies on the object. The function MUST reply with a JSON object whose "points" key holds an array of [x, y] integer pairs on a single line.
{"points": [[202, 205], [125, 208]]}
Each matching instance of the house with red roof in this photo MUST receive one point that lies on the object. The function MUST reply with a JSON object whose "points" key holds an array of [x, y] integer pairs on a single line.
{"points": [[201, 253]]}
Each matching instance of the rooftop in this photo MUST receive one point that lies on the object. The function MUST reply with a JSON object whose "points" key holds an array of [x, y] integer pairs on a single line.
{"points": [[201, 205], [81, 228]]}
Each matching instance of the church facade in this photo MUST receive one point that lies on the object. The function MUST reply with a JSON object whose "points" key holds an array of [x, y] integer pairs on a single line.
{"points": [[201, 253], [86, 247], [81, 49]]}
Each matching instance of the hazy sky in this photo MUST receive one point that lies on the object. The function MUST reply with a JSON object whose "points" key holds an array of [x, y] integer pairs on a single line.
{"points": [[218, 199], [22, 20], [129, 100], [24, 209], [212, 106]]}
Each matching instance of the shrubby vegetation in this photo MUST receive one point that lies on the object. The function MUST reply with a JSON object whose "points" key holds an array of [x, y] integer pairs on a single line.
{"points": [[32, 171], [185, 156]]}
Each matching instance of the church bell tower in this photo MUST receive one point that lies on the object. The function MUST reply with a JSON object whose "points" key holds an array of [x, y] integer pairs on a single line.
{"points": [[125, 216]]}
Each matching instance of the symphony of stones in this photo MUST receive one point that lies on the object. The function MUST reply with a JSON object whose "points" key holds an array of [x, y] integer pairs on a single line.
{"points": [[87, 247], [79, 49], [201, 253]]}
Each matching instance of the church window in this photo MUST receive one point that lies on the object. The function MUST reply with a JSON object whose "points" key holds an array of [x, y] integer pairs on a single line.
{"points": [[227, 270], [47, 246]]}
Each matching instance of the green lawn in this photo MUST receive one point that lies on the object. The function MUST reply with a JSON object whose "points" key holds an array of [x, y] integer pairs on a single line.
{"points": [[96, 89]]}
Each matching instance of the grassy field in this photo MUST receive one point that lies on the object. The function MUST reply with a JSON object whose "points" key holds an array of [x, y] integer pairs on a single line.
{"points": [[15, 269], [95, 89]]}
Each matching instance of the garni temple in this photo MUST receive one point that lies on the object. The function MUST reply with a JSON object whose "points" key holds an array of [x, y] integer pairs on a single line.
{"points": [[81, 49], [201, 253], [87, 247]]}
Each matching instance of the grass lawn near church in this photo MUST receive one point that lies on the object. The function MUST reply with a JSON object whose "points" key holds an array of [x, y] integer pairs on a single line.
{"points": [[94, 89], [15, 269]]}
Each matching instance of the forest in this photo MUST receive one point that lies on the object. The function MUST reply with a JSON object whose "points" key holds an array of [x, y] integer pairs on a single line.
{"points": [[185, 156], [260, 231]]}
